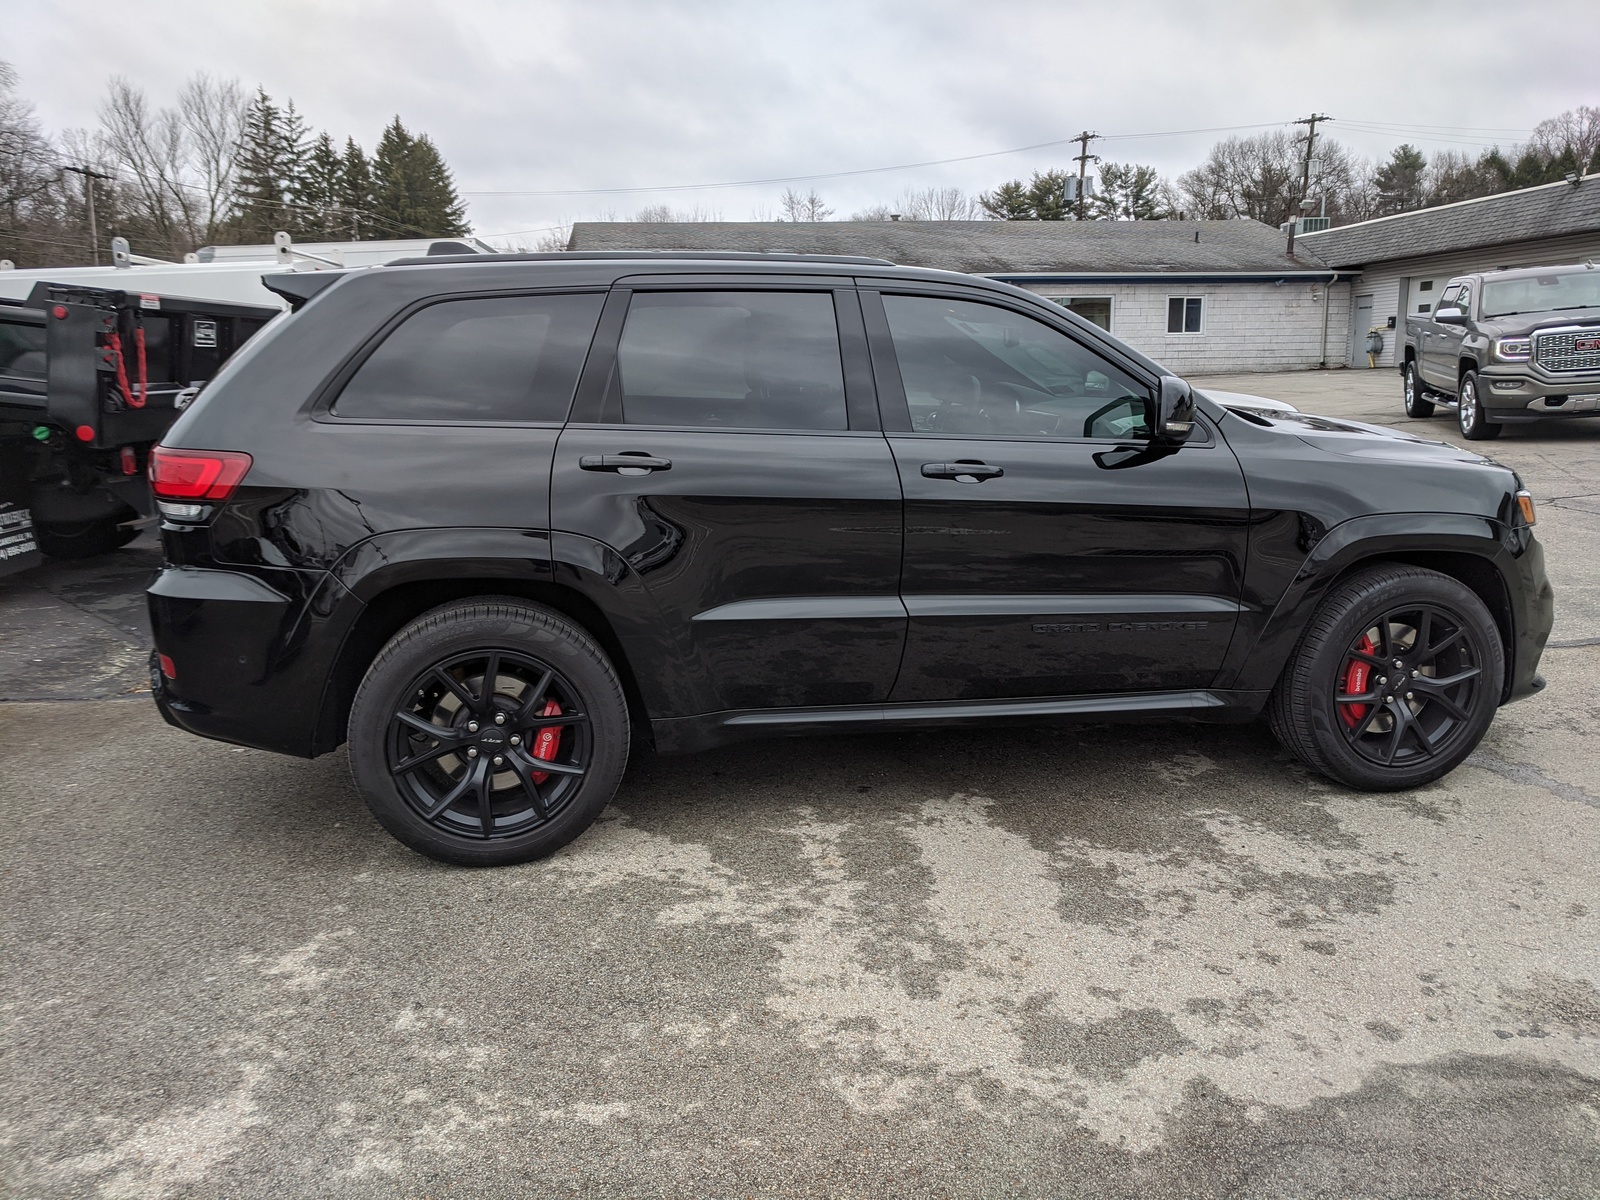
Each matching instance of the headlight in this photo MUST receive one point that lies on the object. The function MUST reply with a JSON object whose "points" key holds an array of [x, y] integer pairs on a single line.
{"points": [[1513, 349]]}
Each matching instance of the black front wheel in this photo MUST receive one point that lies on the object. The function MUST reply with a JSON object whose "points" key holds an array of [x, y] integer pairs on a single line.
{"points": [[489, 732], [1475, 423], [1394, 682]]}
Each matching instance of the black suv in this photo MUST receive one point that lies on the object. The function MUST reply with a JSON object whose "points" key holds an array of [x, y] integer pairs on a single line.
{"points": [[490, 519]]}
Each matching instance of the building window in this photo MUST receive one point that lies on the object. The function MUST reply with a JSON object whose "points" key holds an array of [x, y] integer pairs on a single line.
{"points": [[1425, 286], [1183, 314], [1094, 309]]}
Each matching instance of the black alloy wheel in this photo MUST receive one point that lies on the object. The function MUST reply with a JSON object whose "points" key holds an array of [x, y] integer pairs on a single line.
{"points": [[489, 732], [489, 744], [1475, 423], [1394, 682], [1409, 685], [1417, 403]]}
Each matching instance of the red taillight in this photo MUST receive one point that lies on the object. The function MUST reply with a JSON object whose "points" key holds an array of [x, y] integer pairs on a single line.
{"points": [[167, 669], [196, 474], [129, 460]]}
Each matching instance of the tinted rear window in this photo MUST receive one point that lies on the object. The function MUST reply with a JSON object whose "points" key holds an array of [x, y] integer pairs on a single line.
{"points": [[750, 360], [500, 358]]}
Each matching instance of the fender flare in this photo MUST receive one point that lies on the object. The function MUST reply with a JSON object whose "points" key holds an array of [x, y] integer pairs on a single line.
{"points": [[1360, 539]]}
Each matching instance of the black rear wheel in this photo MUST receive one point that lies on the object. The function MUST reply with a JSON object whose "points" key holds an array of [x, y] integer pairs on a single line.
{"points": [[1417, 403], [489, 732], [1394, 682]]}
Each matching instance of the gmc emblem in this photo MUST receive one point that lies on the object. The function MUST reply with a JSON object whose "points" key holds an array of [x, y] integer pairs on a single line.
{"points": [[1582, 345]]}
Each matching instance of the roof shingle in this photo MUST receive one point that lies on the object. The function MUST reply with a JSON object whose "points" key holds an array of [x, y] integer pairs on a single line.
{"points": [[1551, 210], [978, 247]]}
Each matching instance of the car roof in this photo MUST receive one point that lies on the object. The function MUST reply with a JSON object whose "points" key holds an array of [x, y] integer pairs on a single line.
{"points": [[1531, 272]]}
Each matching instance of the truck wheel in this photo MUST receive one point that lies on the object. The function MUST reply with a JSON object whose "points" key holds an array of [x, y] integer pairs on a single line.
{"points": [[1416, 404], [1475, 423], [489, 731], [85, 539], [1393, 683]]}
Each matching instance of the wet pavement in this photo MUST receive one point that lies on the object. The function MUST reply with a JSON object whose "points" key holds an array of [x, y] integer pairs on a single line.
{"points": [[1119, 962]]}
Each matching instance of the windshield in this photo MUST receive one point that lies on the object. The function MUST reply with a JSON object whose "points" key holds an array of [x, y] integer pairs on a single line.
{"points": [[1543, 293]]}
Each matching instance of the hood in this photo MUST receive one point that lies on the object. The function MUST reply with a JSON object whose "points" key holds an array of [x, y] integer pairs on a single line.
{"points": [[1356, 439], [1522, 324]]}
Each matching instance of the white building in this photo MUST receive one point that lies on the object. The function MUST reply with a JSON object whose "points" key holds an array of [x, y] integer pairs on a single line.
{"points": [[1198, 296]]}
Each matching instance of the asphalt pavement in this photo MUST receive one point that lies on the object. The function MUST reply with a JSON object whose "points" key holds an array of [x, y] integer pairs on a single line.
{"points": [[1106, 961]]}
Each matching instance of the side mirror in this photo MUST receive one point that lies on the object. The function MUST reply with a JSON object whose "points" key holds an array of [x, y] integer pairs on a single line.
{"points": [[1450, 316], [1174, 410]]}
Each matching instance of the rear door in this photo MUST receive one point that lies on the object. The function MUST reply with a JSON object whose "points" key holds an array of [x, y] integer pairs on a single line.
{"points": [[1049, 551], [731, 456]]}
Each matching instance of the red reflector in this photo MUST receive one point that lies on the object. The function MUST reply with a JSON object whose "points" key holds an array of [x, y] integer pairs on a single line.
{"points": [[59, 312], [196, 474], [168, 671], [85, 433], [130, 461]]}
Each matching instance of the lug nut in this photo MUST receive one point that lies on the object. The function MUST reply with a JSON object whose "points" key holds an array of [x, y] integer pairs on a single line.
{"points": [[1409, 696], [499, 718], [472, 752], [1398, 664], [1382, 679], [498, 761], [472, 727], [516, 740]]}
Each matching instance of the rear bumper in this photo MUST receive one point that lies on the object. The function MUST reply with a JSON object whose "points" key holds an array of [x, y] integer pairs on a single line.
{"points": [[248, 650]]}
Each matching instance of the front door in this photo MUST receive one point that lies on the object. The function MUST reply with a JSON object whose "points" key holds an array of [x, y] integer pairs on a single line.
{"points": [[1431, 349], [1049, 551], [733, 461]]}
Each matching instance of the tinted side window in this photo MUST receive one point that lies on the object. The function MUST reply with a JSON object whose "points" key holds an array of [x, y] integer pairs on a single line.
{"points": [[739, 360], [978, 369], [499, 358]]}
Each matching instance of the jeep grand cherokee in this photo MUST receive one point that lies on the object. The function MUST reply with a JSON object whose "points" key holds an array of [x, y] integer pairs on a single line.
{"points": [[492, 521]]}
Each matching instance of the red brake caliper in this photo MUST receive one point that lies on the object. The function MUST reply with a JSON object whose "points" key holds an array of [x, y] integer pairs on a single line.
{"points": [[546, 740], [1355, 683]]}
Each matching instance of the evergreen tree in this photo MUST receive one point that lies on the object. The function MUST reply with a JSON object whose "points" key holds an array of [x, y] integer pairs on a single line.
{"points": [[1048, 194], [1400, 181], [271, 159], [355, 193], [413, 193], [320, 212], [1008, 202], [1131, 192]]}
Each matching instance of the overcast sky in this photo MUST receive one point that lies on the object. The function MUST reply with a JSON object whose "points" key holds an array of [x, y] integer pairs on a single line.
{"points": [[552, 95]]}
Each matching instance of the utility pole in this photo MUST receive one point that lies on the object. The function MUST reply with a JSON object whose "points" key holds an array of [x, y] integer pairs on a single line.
{"points": [[1311, 141], [88, 195], [1084, 158]]}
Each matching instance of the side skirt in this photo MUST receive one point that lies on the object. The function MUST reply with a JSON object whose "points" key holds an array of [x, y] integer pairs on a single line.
{"points": [[682, 735]]}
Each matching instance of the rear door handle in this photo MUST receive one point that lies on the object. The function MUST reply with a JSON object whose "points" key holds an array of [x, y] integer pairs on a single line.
{"points": [[962, 471], [624, 464]]}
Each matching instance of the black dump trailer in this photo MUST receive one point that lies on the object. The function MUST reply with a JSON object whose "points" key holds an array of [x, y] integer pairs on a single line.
{"points": [[90, 378]]}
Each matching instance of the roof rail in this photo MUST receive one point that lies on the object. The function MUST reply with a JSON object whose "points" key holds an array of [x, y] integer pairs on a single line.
{"points": [[673, 255]]}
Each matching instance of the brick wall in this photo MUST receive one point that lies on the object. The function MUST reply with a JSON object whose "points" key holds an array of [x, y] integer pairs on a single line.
{"points": [[1244, 327]]}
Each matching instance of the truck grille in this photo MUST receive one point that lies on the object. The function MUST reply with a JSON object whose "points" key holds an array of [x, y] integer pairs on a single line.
{"points": [[1559, 352]]}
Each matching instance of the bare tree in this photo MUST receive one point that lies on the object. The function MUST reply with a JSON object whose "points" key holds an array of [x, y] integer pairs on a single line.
{"points": [[552, 240], [940, 204], [877, 212], [665, 214], [31, 191], [1577, 130], [212, 113], [809, 207]]}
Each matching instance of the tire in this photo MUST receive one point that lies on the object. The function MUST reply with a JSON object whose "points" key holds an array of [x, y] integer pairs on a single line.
{"points": [[1416, 404], [85, 539], [1349, 742], [439, 792], [1475, 423]]}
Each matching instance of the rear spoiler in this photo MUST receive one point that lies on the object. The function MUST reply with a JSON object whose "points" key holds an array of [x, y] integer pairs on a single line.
{"points": [[297, 287]]}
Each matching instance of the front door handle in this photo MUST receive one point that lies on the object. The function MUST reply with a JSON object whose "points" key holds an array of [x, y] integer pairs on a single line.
{"points": [[627, 463], [962, 471]]}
